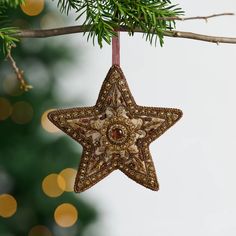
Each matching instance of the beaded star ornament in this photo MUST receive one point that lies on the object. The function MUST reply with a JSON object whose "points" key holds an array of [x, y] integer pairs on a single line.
{"points": [[115, 133]]}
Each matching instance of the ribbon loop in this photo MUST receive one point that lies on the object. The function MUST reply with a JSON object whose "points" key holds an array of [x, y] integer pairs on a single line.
{"points": [[116, 49]]}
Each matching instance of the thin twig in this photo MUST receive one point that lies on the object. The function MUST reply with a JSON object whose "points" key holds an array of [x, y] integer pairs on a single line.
{"points": [[200, 37], [19, 73], [198, 17], [85, 28]]}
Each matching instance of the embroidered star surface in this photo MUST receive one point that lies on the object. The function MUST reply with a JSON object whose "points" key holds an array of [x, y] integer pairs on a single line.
{"points": [[115, 133]]}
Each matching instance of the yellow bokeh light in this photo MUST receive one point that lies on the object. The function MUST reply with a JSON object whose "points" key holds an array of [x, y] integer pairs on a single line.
{"points": [[66, 215], [47, 125], [8, 205], [69, 175], [53, 185], [32, 7], [40, 230], [22, 113], [5, 109]]}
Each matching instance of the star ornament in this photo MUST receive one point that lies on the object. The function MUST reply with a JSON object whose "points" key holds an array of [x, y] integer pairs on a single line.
{"points": [[115, 133]]}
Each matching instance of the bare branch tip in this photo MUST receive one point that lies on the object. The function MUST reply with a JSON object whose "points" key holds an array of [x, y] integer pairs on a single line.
{"points": [[19, 73]]}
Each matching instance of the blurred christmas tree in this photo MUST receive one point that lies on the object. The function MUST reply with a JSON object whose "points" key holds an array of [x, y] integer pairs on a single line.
{"points": [[37, 165]]}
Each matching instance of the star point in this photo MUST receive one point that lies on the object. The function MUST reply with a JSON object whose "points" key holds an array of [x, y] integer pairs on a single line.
{"points": [[115, 134]]}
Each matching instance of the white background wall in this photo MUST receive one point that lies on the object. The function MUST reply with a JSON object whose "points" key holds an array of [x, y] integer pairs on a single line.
{"points": [[196, 159]]}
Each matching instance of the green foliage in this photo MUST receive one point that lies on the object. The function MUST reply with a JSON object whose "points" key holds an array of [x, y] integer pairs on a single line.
{"points": [[6, 39], [27, 152], [6, 32], [12, 3], [106, 16]]}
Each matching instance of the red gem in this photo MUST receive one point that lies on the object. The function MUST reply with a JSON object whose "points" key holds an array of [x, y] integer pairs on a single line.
{"points": [[117, 134]]}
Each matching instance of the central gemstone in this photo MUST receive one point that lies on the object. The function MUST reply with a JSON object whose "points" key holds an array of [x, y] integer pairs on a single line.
{"points": [[117, 134]]}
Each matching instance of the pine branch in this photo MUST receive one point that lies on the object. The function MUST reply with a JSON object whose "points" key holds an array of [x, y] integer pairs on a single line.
{"points": [[84, 28], [10, 35], [105, 16], [168, 33]]}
